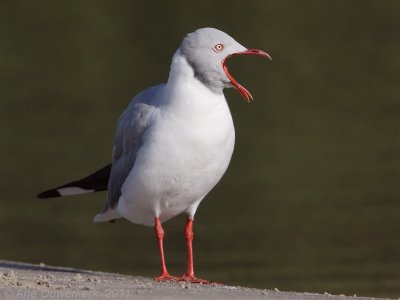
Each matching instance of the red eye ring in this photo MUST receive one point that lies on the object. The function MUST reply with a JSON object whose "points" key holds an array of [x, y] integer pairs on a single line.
{"points": [[219, 47]]}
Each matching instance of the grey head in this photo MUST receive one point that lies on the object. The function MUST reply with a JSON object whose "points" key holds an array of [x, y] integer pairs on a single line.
{"points": [[206, 50]]}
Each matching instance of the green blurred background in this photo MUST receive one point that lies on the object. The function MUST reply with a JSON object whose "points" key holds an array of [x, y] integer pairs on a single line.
{"points": [[311, 201]]}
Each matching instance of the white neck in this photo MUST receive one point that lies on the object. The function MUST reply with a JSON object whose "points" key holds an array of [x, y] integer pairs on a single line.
{"points": [[183, 87], [180, 68]]}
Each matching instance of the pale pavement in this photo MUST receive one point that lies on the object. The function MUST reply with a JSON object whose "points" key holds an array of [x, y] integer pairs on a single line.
{"points": [[27, 281]]}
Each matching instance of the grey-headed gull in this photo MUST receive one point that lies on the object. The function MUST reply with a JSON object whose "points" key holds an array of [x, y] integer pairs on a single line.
{"points": [[173, 143]]}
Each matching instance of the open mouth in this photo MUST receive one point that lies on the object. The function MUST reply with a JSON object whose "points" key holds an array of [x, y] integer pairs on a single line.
{"points": [[241, 89]]}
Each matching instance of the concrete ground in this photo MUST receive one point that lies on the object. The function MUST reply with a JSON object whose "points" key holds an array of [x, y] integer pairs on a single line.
{"points": [[27, 281]]}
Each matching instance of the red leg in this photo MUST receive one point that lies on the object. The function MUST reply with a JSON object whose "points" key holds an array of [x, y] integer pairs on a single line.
{"points": [[189, 275], [164, 276]]}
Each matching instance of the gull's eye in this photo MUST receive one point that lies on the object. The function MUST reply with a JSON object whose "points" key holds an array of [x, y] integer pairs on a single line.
{"points": [[218, 47]]}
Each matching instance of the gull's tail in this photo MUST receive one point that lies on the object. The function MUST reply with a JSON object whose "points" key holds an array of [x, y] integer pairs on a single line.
{"points": [[95, 182]]}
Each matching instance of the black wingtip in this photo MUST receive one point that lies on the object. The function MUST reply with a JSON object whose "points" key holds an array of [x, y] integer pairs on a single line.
{"points": [[95, 182], [49, 194]]}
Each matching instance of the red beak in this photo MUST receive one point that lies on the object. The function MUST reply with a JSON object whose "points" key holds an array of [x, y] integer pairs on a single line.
{"points": [[241, 89]]}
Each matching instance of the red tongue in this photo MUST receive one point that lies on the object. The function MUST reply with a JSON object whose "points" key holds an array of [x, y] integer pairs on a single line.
{"points": [[241, 89]]}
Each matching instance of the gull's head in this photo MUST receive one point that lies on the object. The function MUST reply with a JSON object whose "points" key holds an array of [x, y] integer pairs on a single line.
{"points": [[207, 51]]}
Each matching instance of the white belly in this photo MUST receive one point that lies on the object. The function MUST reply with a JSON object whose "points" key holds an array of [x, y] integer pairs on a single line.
{"points": [[179, 162]]}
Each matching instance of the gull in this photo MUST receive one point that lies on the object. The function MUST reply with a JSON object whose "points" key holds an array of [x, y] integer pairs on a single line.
{"points": [[173, 143]]}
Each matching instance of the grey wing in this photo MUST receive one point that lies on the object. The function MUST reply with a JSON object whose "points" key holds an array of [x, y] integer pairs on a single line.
{"points": [[128, 139]]}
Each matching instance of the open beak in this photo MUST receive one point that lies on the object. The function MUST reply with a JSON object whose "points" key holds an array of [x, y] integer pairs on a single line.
{"points": [[241, 89]]}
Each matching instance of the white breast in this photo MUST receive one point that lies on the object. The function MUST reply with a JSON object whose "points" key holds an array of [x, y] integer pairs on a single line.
{"points": [[184, 154]]}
